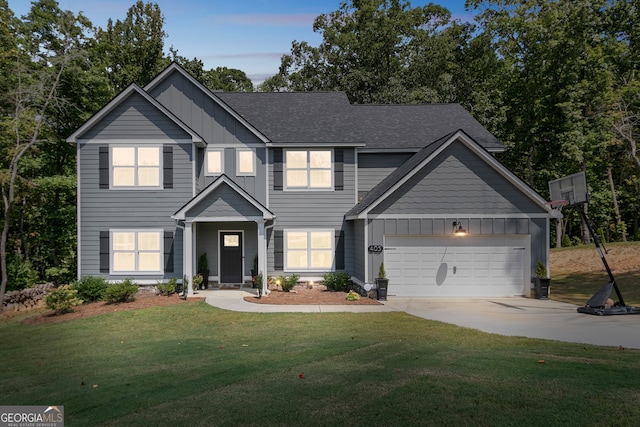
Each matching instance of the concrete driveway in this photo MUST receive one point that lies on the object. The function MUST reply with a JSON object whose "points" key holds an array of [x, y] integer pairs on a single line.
{"points": [[514, 316], [526, 317]]}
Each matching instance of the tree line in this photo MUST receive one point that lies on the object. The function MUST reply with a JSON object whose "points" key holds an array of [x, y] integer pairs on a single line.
{"points": [[554, 80]]}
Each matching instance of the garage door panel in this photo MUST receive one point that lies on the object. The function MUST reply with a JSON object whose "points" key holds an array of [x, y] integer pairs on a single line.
{"points": [[454, 266]]}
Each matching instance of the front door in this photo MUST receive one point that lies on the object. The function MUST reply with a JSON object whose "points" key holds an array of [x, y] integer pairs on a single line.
{"points": [[231, 257]]}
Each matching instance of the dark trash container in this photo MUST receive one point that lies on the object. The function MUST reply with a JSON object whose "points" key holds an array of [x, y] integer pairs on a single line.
{"points": [[542, 288], [382, 285]]}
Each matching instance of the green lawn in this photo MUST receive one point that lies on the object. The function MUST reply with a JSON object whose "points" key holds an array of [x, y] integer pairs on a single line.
{"points": [[197, 365]]}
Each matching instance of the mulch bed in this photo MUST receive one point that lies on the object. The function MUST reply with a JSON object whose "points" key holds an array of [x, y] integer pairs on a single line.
{"points": [[143, 300], [315, 296]]}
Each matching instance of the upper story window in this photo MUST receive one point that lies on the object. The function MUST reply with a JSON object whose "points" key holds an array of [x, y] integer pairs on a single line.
{"points": [[245, 162], [136, 167], [214, 162], [308, 169]]}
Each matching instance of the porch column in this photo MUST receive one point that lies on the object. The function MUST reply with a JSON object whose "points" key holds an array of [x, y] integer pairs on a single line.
{"points": [[262, 255], [187, 262]]}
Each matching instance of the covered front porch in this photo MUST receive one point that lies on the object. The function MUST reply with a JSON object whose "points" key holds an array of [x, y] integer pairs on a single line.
{"points": [[229, 227]]}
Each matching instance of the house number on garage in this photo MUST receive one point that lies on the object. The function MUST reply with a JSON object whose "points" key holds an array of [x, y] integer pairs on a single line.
{"points": [[375, 249]]}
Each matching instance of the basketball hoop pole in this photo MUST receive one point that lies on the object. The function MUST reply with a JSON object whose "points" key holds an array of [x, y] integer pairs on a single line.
{"points": [[604, 260]]}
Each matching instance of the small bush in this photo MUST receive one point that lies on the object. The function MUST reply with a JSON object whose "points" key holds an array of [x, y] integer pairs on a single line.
{"points": [[353, 296], [287, 283], [21, 274], [62, 299], [121, 292], [167, 288], [337, 282], [91, 288]]}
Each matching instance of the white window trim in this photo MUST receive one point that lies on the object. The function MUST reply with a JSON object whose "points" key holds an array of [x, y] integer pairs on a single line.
{"points": [[136, 186], [253, 159], [309, 251], [113, 272], [331, 186], [206, 161]]}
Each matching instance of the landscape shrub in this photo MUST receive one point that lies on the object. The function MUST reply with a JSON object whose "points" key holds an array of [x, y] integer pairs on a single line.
{"points": [[167, 288], [21, 274], [353, 296], [288, 282], [121, 292], [91, 288], [62, 299], [336, 281]]}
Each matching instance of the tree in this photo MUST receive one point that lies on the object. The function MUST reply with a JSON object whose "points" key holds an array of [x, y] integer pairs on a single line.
{"points": [[46, 43], [131, 51]]}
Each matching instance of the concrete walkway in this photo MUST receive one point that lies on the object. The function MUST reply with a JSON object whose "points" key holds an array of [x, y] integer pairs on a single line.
{"points": [[515, 316]]}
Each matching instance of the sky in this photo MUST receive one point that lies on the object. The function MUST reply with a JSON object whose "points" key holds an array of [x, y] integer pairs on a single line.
{"points": [[249, 35]]}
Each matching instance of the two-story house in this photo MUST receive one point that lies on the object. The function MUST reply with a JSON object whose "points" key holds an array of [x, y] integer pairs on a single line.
{"points": [[307, 183]]}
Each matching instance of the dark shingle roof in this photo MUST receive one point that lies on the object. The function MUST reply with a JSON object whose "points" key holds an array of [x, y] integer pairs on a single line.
{"points": [[329, 117], [296, 117]]}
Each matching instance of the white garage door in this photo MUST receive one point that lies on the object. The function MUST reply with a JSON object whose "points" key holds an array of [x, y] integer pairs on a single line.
{"points": [[488, 266]]}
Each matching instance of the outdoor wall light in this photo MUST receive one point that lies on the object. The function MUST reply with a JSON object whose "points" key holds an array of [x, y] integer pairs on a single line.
{"points": [[457, 229]]}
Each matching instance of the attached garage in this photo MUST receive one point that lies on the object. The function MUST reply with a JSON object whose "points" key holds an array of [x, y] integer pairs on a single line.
{"points": [[454, 266]]}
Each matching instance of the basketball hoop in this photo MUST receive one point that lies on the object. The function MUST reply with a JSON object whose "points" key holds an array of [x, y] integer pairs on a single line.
{"points": [[556, 206]]}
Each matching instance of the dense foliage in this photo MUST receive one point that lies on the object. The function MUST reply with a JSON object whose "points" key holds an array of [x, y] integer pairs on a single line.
{"points": [[555, 80]]}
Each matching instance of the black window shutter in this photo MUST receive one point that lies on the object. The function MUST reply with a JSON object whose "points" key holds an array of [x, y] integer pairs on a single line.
{"points": [[278, 250], [338, 170], [168, 252], [339, 250], [104, 252], [167, 166], [103, 166], [277, 169]]}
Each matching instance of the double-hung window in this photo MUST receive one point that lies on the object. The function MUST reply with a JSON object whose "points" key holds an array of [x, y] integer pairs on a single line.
{"points": [[308, 169], [136, 251], [308, 250], [136, 167]]}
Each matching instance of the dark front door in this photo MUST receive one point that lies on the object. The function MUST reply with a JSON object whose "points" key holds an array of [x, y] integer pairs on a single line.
{"points": [[231, 257]]}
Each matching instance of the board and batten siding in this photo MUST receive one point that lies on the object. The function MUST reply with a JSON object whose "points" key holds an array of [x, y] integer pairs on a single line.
{"points": [[105, 209], [253, 184], [313, 209], [200, 112], [217, 127]]}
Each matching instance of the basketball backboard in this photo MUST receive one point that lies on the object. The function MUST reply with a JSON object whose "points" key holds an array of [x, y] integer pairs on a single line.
{"points": [[572, 188]]}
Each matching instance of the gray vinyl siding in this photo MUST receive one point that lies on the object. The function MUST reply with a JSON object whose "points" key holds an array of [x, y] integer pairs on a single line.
{"points": [[374, 167], [135, 118], [217, 127], [457, 181], [308, 210], [207, 242], [223, 202], [104, 209], [536, 227]]}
